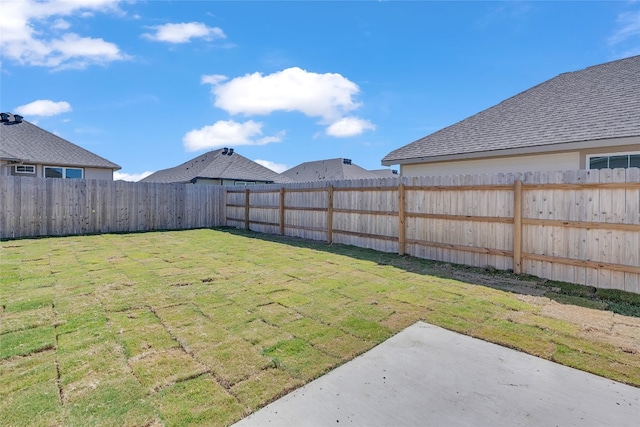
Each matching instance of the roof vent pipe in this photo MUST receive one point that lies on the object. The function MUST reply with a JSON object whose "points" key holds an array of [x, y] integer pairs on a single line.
{"points": [[346, 161], [230, 151], [17, 118], [224, 151], [4, 117]]}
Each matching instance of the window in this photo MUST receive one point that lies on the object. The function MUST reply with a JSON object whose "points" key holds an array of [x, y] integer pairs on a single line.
{"points": [[614, 160], [60, 172], [25, 169]]}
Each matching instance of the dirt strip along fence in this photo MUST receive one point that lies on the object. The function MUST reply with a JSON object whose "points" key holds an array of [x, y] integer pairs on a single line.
{"points": [[575, 226], [34, 207]]}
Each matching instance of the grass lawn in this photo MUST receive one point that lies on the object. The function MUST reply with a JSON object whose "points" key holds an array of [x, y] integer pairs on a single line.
{"points": [[203, 327]]}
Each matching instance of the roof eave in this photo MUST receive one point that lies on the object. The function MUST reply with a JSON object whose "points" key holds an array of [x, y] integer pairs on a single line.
{"points": [[113, 167], [537, 149], [234, 179]]}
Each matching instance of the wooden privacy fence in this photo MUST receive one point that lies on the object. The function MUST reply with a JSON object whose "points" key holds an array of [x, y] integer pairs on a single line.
{"points": [[33, 207], [576, 226]]}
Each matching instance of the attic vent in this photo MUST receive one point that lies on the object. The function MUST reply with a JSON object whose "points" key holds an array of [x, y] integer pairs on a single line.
{"points": [[346, 161], [224, 151], [4, 117], [394, 171], [230, 152], [17, 118]]}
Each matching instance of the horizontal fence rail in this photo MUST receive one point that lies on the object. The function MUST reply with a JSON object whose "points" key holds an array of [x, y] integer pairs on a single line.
{"points": [[33, 207], [576, 226]]}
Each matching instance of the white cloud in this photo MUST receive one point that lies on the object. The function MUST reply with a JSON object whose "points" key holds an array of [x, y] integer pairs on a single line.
{"points": [[61, 24], [43, 107], [73, 51], [628, 27], [328, 96], [225, 133], [123, 176], [269, 139], [349, 126], [27, 38], [276, 167], [212, 79], [184, 32]]}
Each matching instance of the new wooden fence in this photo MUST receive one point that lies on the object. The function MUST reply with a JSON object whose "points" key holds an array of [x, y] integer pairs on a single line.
{"points": [[32, 207], [576, 226]]}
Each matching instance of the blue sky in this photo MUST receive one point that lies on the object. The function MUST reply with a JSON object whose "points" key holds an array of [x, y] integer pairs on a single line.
{"points": [[151, 84]]}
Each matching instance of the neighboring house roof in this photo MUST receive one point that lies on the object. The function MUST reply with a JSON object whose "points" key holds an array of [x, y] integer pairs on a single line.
{"points": [[216, 165], [331, 169], [25, 142], [385, 173], [598, 102]]}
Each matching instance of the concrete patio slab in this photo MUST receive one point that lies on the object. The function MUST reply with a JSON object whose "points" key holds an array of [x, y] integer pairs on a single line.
{"points": [[429, 376]]}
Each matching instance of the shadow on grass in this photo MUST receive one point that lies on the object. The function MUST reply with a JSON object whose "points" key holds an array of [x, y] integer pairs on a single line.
{"points": [[620, 302]]}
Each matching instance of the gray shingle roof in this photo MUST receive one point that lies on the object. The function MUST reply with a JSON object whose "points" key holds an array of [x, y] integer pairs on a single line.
{"points": [[331, 169], [385, 173], [215, 165], [598, 102], [27, 142]]}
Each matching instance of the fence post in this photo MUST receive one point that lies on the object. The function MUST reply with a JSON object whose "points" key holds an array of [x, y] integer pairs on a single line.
{"points": [[401, 217], [246, 209], [517, 227], [282, 211], [330, 214]]}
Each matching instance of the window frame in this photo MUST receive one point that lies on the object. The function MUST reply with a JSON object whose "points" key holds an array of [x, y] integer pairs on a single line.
{"points": [[608, 155], [32, 172], [64, 171]]}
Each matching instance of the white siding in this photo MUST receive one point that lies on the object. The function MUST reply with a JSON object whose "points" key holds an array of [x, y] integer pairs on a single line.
{"points": [[533, 163], [98, 173]]}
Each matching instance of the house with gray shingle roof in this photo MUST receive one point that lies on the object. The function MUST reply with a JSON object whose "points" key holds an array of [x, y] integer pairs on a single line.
{"points": [[218, 167], [385, 173], [330, 170], [586, 119], [28, 150]]}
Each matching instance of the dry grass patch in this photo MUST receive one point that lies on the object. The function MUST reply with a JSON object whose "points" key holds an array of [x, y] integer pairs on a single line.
{"points": [[21, 320], [84, 367], [161, 368], [299, 358], [277, 314], [233, 360], [261, 334], [140, 331], [263, 388], [199, 401], [117, 402], [25, 372]]}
